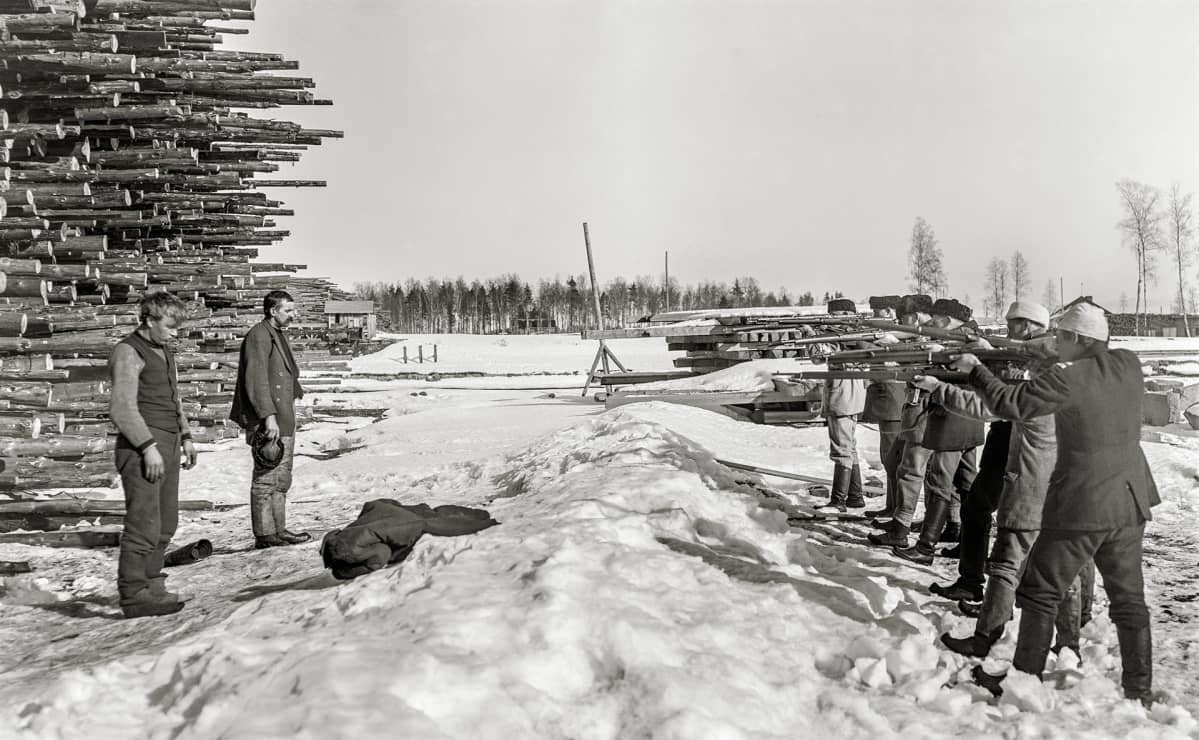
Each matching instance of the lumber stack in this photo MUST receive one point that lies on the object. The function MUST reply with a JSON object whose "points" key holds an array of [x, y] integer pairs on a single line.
{"points": [[135, 155], [716, 339]]}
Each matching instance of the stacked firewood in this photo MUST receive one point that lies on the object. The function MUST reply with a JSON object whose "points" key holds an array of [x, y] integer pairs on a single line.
{"points": [[128, 164]]}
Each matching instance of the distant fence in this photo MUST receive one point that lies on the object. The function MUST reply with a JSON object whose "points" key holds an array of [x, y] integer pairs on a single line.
{"points": [[420, 355]]}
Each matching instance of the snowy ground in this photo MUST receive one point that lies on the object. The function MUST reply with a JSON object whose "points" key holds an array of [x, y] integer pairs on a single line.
{"points": [[635, 588]]}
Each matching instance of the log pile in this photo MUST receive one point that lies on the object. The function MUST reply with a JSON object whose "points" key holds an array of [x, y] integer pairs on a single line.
{"points": [[716, 339], [129, 163]]}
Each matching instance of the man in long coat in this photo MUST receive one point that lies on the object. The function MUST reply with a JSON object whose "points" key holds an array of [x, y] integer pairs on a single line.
{"points": [[268, 385]]}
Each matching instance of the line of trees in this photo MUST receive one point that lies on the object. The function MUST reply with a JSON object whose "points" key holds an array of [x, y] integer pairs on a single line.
{"points": [[510, 304], [1156, 223]]}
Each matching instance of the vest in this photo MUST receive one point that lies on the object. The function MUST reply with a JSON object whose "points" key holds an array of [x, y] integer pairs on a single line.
{"points": [[157, 393]]}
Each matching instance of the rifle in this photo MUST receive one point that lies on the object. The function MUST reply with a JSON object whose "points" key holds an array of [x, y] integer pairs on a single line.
{"points": [[902, 375], [907, 356], [954, 335], [862, 336]]}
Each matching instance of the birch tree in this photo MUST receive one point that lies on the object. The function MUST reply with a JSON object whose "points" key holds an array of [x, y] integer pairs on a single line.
{"points": [[1019, 275], [1142, 230], [925, 266], [1180, 229]]}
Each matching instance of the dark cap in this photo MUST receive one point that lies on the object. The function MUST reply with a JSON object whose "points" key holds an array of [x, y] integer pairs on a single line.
{"points": [[267, 453], [842, 305], [878, 302], [915, 303], [952, 308]]}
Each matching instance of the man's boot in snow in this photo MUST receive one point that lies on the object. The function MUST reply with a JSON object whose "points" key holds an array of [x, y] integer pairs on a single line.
{"points": [[895, 535], [990, 682], [953, 553], [974, 646], [839, 493], [935, 513], [958, 591], [970, 609], [854, 499], [1136, 655]]}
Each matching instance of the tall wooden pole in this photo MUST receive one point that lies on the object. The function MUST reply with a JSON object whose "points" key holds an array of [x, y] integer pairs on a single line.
{"points": [[668, 280], [599, 320]]}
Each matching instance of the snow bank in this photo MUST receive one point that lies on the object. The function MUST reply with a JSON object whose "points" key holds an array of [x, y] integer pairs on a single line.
{"points": [[635, 588]]}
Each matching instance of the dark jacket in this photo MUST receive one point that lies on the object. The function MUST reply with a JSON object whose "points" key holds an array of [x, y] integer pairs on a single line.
{"points": [[386, 530], [1030, 457], [1101, 479], [268, 381]]}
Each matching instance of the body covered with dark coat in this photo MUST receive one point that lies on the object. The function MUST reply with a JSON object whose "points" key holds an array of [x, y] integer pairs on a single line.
{"points": [[386, 530]]}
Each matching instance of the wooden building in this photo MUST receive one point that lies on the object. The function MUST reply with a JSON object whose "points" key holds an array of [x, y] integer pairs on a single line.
{"points": [[352, 315]]}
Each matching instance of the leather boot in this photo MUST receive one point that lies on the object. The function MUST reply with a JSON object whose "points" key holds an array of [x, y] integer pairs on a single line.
{"points": [[1136, 655], [294, 538], [953, 553], [1032, 647], [935, 513], [268, 540], [958, 591], [146, 604], [974, 646], [895, 535], [883, 513], [840, 492], [158, 587], [855, 500]]}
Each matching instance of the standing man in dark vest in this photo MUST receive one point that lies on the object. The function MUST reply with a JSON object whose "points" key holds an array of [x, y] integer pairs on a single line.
{"points": [[268, 384], [1099, 496], [152, 441]]}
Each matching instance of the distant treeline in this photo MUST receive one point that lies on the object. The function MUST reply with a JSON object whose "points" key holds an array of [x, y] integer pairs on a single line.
{"points": [[508, 303]]}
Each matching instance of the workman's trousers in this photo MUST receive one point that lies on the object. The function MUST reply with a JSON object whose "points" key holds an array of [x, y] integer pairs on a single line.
{"points": [[268, 493], [151, 515], [937, 473], [1056, 560], [890, 448], [842, 440]]}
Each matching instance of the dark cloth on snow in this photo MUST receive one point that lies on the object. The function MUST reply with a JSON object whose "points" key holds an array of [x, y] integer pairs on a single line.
{"points": [[386, 530]]}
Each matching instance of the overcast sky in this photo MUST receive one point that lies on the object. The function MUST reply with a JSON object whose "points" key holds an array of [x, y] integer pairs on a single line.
{"points": [[794, 141]]}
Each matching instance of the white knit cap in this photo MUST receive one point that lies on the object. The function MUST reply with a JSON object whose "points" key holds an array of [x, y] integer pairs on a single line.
{"points": [[1084, 319], [1033, 312]]}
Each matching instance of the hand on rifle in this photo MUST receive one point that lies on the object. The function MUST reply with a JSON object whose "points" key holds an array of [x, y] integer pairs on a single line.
{"points": [[979, 344], [964, 363], [926, 383]]}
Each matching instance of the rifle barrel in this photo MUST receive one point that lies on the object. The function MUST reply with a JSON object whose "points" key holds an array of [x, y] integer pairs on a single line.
{"points": [[956, 335]]}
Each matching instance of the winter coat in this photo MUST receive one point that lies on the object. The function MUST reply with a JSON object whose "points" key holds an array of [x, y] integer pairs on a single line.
{"points": [[1032, 451], [884, 401], [386, 530], [844, 397], [268, 381], [1101, 479]]}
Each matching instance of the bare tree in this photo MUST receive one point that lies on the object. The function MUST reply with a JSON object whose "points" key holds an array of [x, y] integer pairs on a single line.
{"points": [[997, 285], [1049, 297], [924, 261], [1181, 227], [1020, 276], [1142, 232], [1123, 303]]}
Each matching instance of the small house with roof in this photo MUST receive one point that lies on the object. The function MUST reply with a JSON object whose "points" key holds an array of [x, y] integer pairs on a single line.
{"points": [[352, 315]]}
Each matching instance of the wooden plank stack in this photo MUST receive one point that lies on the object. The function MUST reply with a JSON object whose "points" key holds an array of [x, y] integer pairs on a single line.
{"points": [[128, 164]]}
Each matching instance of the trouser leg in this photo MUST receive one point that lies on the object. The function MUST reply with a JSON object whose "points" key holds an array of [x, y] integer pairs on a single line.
{"points": [[891, 457], [283, 484], [168, 506], [1004, 568], [1055, 561], [910, 480], [842, 440], [939, 481], [1118, 560]]}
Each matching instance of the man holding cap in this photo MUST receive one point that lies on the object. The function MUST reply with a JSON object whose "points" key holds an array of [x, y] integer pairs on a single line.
{"points": [[1099, 496]]}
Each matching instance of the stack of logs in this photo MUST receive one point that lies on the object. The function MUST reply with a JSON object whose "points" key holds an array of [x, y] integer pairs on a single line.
{"points": [[125, 168]]}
